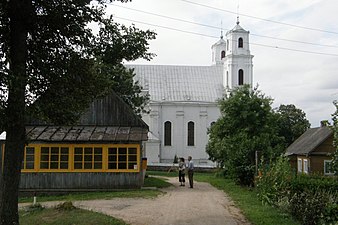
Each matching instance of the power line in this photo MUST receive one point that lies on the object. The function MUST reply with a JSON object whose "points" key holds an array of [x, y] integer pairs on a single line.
{"points": [[215, 27], [165, 27], [258, 18], [195, 33]]}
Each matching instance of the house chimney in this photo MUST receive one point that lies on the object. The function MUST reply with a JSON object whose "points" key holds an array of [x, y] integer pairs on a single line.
{"points": [[324, 123]]}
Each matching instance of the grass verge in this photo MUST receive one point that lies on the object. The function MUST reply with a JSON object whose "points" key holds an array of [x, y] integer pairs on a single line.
{"points": [[156, 182], [95, 195], [54, 216], [246, 199], [149, 182]]}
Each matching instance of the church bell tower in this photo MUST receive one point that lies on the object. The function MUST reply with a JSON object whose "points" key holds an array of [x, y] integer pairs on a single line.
{"points": [[233, 54]]}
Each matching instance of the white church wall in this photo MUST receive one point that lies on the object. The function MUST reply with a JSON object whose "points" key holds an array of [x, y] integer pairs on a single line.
{"points": [[151, 151], [179, 114]]}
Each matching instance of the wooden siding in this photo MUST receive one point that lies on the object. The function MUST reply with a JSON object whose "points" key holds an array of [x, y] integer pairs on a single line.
{"points": [[326, 147], [317, 164], [111, 111], [83, 181]]}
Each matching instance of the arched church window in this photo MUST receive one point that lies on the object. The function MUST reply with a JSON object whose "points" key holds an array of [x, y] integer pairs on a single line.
{"points": [[167, 133], [240, 42], [191, 128], [222, 54], [240, 77]]}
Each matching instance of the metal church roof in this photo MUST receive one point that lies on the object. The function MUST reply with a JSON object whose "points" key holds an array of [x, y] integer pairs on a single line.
{"points": [[168, 83]]}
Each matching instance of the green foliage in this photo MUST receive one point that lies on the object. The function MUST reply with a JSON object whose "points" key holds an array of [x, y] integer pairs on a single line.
{"points": [[246, 199], [68, 65], [313, 208], [335, 138], [65, 217], [291, 123], [156, 182], [273, 184], [68, 205], [246, 126], [309, 199]]}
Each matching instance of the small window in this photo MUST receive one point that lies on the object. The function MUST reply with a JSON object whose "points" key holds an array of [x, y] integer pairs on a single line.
{"points": [[299, 165], [222, 54], [167, 133], [240, 42], [328, 167], [88, 158], [240, 77], [28, 162], [122, 158], [227, 45], [191, 128], [305, 166], [54, 158]]}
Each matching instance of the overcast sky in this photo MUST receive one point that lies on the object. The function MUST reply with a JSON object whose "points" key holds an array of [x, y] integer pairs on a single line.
{"points": [[295, 76]]}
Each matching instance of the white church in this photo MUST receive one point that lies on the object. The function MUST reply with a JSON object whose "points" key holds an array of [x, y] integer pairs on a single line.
{"points": [[183, 99]]}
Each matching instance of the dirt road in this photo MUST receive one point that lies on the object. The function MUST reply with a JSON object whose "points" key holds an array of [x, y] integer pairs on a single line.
{"points": [[203, 205]]}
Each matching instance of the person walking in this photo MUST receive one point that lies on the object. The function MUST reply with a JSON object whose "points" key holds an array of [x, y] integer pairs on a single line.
{"points": [[181, 171], [191, 172]]}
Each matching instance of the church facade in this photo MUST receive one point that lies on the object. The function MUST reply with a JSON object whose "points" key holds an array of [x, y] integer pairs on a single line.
{"points": [[183, 99]]}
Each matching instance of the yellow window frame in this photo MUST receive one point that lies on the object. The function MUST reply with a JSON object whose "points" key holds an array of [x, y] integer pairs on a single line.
{"points": [[71, 154]]}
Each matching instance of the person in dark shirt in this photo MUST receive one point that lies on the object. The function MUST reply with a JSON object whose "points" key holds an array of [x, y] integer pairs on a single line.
{"points": [[191, 172]]}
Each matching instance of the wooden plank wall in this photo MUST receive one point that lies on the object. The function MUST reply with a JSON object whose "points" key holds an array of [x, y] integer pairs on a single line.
{"points": [[111, 111], [80, 181]]}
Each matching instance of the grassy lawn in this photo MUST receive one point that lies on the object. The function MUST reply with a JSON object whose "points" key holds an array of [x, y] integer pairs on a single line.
{"points": [[95, 195], [156, 182], [140, 193], [53, 216], [66, 217], [245, 198]]}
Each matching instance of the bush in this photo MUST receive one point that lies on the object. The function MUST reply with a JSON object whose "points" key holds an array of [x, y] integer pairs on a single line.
{"points": [[66, 206], [310, 199], [308, 207], [274, 184]]}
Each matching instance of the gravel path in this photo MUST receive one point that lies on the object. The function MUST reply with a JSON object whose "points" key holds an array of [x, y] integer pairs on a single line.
{"points": [[202, 205]]}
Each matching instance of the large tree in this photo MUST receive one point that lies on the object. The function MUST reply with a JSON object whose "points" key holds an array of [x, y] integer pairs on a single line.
{"points": [[291, 123], [246, 126], [52, 65]]}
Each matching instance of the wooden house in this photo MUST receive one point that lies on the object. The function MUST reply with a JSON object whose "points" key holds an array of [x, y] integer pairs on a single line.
{"points": [[312, 152], [102, 152]]}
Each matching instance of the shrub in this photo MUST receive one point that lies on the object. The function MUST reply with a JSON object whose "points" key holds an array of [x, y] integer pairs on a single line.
{"points": [[66, 206], [274, 184], [308, 207], [310, 199]]}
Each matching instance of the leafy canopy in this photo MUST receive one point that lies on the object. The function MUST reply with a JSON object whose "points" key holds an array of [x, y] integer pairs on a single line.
{"points": [[291, 123], [335, 138], [68, 65], [245, 126]]}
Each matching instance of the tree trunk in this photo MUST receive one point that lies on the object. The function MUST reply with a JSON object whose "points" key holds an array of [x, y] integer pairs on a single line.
{"points": [[15, 111]]}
